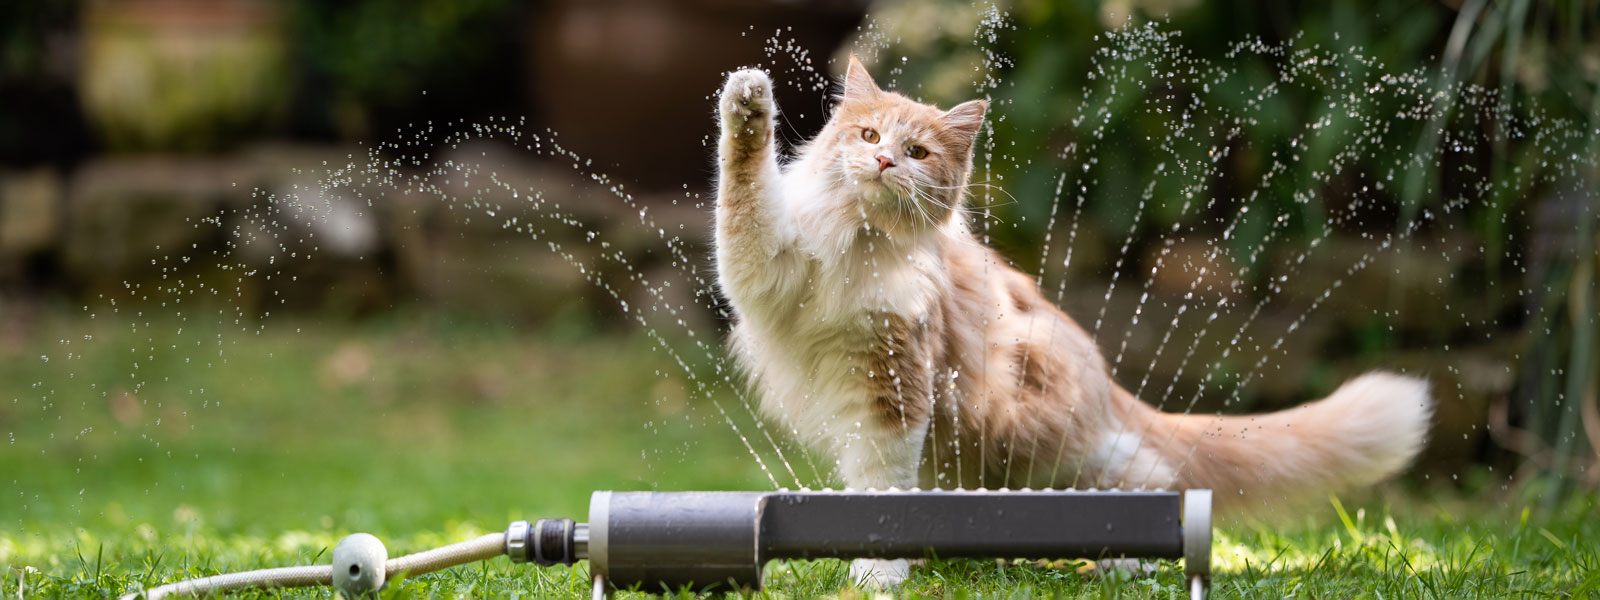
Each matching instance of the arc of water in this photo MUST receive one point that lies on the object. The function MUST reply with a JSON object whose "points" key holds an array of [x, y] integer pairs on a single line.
{"points": [[592, 276]]}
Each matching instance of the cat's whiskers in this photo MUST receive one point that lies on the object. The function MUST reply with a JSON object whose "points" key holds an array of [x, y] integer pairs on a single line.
{"points": [[899, 209], [919, 196], [844, 180], [982, 184], [922, 183], [911, 199]]}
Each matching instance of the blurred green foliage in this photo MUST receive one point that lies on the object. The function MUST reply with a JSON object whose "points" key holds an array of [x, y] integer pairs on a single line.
{"points": [[355, 69], [376, 55], [156, 79], [1541, 59]]}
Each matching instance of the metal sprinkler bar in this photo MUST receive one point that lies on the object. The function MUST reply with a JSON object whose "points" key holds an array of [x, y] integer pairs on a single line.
{"points": [[664, 541]]}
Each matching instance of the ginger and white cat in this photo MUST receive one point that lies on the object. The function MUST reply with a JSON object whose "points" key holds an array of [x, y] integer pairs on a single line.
{"points": [[879, 331]]}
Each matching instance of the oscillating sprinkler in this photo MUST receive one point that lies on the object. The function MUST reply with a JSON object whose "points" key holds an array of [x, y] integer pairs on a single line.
{"points": [[666, 541]]}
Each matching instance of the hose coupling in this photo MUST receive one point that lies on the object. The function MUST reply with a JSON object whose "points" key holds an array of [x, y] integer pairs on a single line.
{"points": [[517, 541], [544, 542]]}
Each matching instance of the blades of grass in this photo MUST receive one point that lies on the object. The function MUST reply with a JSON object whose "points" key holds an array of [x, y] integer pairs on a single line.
{"points": [[1344, 517], [1459, 572], [1427, 582], [151, 573], [1393, 529], [1590, 586], [1556, 541], [1320, 561], [483, 575], [1276, 557]]}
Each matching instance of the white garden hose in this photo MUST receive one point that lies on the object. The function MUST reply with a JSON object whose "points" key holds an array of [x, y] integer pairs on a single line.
{"points": [[484, 547], [353, 570]]}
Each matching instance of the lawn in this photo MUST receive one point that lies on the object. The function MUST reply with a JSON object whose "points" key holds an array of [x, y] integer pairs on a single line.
{"points": [[142, 452]]}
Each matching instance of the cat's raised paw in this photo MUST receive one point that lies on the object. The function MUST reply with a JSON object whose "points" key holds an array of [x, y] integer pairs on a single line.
{"points": [[747, 97]]}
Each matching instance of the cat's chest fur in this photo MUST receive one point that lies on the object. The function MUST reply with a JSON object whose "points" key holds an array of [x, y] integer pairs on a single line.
{"points": [[849, 286], [819, 344], [846, 300], [842, 275]]}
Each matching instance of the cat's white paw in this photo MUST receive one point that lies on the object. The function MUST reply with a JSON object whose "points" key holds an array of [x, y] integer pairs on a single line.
{"points": [[1132, 566], [877, 573], [747, 98]]}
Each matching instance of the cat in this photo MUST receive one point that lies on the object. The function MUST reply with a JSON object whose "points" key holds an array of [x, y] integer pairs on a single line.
{"points": [[879, 331]]}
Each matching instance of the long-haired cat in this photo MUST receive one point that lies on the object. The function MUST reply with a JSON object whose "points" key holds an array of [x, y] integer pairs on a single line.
{"points": [[879, 331]]}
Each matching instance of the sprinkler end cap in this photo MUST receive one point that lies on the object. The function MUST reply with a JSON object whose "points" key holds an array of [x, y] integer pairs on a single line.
{"points": [[358, 565]]}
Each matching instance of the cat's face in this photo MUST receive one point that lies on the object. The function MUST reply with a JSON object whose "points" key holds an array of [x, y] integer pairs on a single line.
{"points": [[905, 163]]}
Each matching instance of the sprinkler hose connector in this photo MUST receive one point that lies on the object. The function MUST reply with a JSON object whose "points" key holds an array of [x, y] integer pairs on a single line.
{"points": [[547, 542]]}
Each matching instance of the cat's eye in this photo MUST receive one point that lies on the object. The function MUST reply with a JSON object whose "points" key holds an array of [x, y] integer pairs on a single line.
{"points": [[870, 135], [917, 152]]}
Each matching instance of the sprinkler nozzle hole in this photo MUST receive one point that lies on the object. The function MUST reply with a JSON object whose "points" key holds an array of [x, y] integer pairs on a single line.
{"points": [[355, 570]]}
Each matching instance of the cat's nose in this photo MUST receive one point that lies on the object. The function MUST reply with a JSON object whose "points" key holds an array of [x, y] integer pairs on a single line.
{"points": [[884, 162]]}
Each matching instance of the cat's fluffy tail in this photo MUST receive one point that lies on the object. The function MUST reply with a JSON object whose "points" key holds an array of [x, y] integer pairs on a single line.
{"points": [[1367, 430]]}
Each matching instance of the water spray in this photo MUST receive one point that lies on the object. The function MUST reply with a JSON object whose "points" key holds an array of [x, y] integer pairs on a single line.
{"points": [[665, 541]]}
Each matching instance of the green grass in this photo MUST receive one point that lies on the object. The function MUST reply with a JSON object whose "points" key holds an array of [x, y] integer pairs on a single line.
{"points": [[264, 446]]}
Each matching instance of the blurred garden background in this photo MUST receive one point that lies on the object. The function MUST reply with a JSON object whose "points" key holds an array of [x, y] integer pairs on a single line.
{"points": [[233, 324]]}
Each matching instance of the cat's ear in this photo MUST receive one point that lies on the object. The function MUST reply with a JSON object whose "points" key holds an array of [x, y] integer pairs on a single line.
{"points": [[858, 83], [966, 118]]}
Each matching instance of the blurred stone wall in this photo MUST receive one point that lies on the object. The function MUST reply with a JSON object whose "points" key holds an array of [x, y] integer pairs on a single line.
{"points": [[149, 221], [198, 110]]}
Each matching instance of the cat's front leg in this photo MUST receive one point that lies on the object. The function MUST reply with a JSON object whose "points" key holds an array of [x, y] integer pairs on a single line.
{"points": [[882, 457], [750, 230], [882, 461]]}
